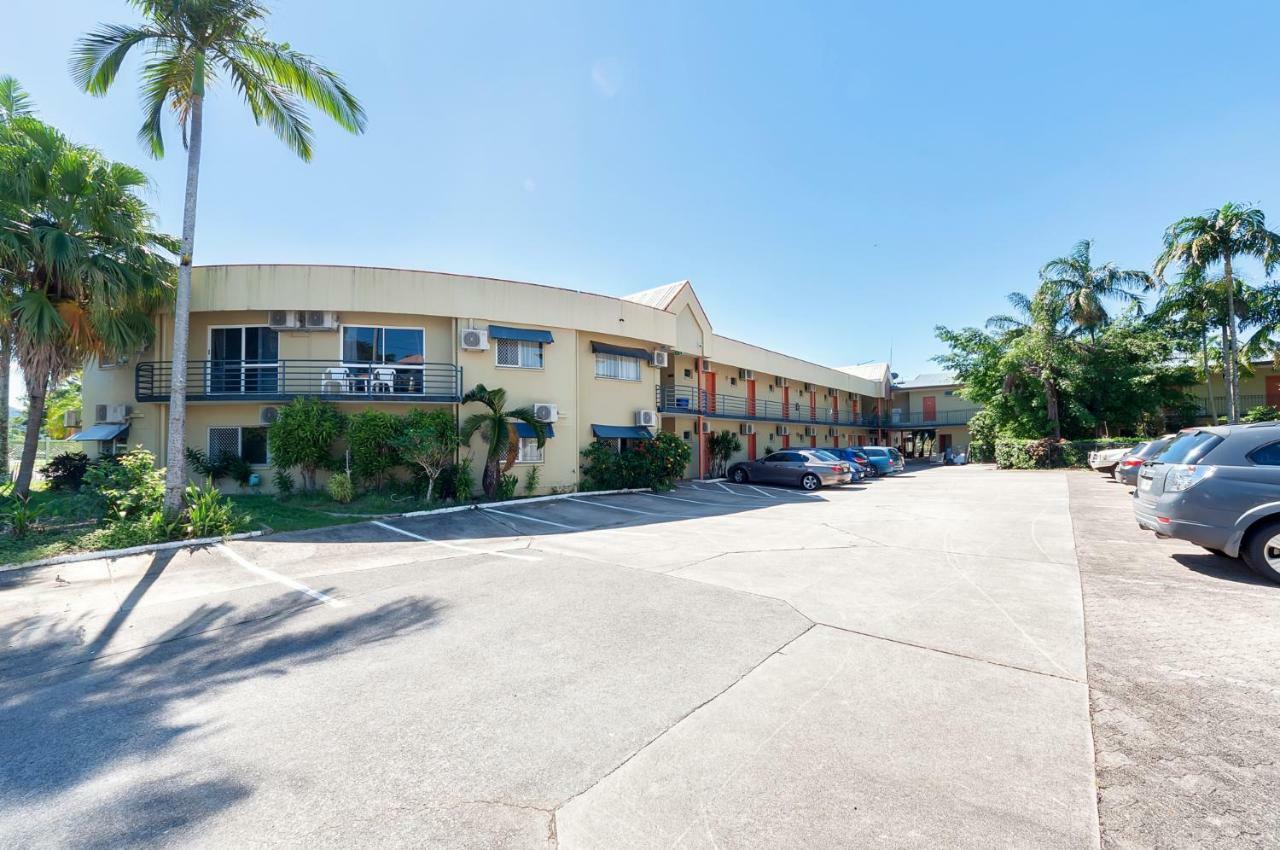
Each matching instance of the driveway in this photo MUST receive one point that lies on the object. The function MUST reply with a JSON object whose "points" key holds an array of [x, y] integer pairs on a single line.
{"points": [[896, 664]]}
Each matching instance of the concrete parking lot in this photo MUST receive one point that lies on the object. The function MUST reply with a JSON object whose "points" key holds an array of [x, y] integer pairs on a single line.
{"points": [[900, 663]]}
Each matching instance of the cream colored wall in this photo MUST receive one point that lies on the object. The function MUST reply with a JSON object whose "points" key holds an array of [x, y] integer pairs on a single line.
{"points": [[115, 386], [606, 401], [913, 400]]}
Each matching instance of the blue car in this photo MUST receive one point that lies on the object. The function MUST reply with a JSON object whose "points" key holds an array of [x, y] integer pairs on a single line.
{"points": [[857, 461], [885, 459]]}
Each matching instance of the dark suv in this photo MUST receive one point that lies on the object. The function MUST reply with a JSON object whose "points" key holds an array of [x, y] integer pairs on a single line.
{"points": [[1218, 487]]}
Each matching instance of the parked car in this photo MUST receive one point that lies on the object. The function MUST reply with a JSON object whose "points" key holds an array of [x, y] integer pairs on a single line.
{"points": [[1105, 460], [1218, 487], [858, 462], [887, 460], [1126, 471], [806, 468]]}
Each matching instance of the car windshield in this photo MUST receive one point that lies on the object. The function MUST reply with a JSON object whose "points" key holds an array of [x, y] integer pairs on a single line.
{"points": [[1188, 447], [895, 454]]}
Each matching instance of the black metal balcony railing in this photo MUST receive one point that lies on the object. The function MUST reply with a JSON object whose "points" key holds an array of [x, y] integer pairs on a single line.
{"points": [[241, 380], [696, 402], [1247, 403]]}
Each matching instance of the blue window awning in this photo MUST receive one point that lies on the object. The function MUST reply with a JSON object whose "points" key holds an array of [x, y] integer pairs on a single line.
{"points": [[621, 432], [525, 430], [522, 334], [106, 431], [621, 351]]}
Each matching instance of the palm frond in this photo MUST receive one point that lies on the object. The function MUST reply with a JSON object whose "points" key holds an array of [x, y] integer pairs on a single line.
{"points": [[97, 57]]}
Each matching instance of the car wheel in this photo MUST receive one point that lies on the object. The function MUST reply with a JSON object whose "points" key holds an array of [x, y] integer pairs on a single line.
{"points": [[810, 482], [1262, 552], [739, 476]]}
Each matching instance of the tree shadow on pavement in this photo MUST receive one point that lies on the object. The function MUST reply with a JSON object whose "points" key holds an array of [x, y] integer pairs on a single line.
{"points": [[76, 736], [1222, 567]]}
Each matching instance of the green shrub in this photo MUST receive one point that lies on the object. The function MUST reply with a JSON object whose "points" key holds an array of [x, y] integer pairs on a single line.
{"points": [[464, 481], [373, 436], [303, 436], [283, 480], [656, 463], [208, 513], [982, 437], [18, 514], [721, 447], [531, 477], [340, 488], [1011, 453], [138, 531], [428, 442], [65, 471], [128, 486], [1261, 413], [213, 469], [507, 485]]}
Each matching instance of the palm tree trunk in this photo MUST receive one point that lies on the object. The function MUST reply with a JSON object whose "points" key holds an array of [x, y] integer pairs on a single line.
{"points": [[1051, 407], [176, 475], [6, 364], [1231, 374], [1208, 376], [37, 387]]}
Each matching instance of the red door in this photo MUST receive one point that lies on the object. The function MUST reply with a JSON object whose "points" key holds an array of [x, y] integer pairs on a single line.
{"points": [[813, 441], [930, 408], [862, 440], [751, 446], [751, 401], [786, 442], [709, 382], [786, 404], [1273, 391]]}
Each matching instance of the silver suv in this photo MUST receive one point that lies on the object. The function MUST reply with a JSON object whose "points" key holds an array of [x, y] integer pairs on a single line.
{"points": [[1218, 487]]}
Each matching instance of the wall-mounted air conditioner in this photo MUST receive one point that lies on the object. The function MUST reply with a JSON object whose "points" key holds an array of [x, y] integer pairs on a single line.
{"points": [[317, 320], [706, 427], [661, 359], [746, 429], [746, 374], [268, 415], [647, 418], [810, 431], [704, 364], [808, 388], [782, 382], [282, 319], [545, 412], [114, 413], [71, 419], [473, 339], [831, 432], [782, 430]]}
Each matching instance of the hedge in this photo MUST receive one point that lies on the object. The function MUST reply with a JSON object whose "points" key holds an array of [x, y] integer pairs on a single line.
{"points": [[1050, 454]]}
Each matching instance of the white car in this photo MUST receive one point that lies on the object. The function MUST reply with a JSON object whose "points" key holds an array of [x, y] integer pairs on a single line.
{"points": [[1105, 460]]}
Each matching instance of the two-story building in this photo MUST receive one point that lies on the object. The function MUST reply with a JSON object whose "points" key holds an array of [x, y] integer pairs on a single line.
{"points": [[594, 366], [928, 416]]}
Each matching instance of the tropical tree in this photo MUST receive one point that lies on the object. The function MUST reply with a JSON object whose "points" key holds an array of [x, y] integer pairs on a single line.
{"points": [[14, 103], [1086, 287], [495, 426], [86, 267], [429, 440], [193, 44], [721, 446], [1220, 236], [1037, 340]]}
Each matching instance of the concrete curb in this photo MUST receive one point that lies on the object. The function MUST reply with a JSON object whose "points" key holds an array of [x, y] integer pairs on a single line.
{"points": [[245, 535], [132, 550]]}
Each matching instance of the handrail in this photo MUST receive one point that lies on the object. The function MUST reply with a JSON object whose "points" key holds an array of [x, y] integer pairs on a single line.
{"points": [[696, 402], [285, 379]]}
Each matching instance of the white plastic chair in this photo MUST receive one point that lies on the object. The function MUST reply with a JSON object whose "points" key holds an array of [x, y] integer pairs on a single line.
{"points": [[384, 380], [336, 378]]}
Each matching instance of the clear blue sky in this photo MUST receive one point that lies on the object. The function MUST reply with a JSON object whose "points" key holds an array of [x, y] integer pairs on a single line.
{"points": [[835, 179]]}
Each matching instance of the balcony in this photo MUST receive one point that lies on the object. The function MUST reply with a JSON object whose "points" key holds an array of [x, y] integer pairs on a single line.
{"points": [[1247, 403], [695, 402], [242, 380], [918, 419]]}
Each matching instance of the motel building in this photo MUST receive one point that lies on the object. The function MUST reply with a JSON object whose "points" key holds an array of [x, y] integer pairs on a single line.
{"points": [[928, 416], [594, 367]]}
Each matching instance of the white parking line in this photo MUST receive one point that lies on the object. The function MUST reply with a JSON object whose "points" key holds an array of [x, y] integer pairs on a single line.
{"points": [[628, 510], [466, 549], [278, 578], [758, 490], [690, 501], [722, 487], [534, 519]]}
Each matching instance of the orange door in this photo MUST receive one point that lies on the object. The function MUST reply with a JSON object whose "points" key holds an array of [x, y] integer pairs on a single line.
{"points": [[751, 401], [751, 446], [862, 440], [813, 441], [786, 404], [930, 408], [1273, 391], [709, 381], [786, 442]]}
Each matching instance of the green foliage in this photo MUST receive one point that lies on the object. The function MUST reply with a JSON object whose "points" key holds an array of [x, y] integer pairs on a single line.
{"points": [[303, 436], [464, 480], [340, 488], [1047, 453], [127, 486], [428, 441], [65, 471], [1261, 413], [61, 399], [982, 437], [656, 463], [373, 437], [531, 476], [494, 425], [720, 447], [283, 480], [19, 515], [208, 513], [507, 485], [140, 530]]}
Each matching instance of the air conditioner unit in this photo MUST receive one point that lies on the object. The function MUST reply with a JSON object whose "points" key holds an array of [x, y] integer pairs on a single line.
{"points": [[71, 419], [782, 382], [545, 412], [808, 388], [116, 412], [746, 429], [647, 418], [706, 427], [746, 374], [704, 364], [782, 430], [473, 339], [661, 359], [99, 413], [282, 319], [318, 320], [810, 431], [831, 432], [268, 415]]}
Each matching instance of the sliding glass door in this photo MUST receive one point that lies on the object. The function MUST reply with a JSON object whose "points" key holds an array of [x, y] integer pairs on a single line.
{"points": [[243, 360]]}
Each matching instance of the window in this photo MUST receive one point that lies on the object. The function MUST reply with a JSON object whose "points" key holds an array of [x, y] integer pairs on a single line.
{"points": [[618, 367], [383, 345], [247, 443], [1268, 455], [1188, 448], [528, 451], [519, 353]]}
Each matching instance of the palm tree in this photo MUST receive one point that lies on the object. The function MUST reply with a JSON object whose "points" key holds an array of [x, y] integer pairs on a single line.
{"points": [[86, 268], [193, 43], [1037, 339], [1086, 287], [494, 426], [14, 103], [1219, 236]]}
